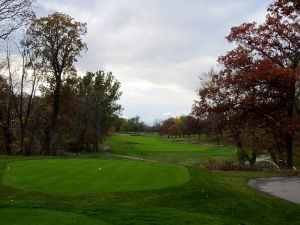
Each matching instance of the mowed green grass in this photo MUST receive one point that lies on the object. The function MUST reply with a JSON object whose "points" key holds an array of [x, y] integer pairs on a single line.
{"points": [[158, 144], [84, 176], [169, 150], [13, 216], [208, 198]]}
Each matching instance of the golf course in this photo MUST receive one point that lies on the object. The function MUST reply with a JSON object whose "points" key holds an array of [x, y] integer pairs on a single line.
{"points": [[149, 112], [108, 188]]}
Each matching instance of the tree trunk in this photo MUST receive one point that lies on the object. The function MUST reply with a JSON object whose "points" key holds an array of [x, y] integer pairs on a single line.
{"points": [[7, 130], [22, 141], [253, 158], [47, 146], [80, 138], [30, 143], [289, 149], [288, 136], [8, 141], [55, 112], [96, 147], [240, 149]]}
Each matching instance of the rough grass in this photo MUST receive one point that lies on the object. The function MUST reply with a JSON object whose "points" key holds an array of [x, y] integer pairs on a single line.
{"points": [[15, 216], [82, 176]]}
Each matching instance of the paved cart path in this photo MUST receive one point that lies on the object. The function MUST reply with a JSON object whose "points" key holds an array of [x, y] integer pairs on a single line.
{"points": [[106, 148], [287, 188]]}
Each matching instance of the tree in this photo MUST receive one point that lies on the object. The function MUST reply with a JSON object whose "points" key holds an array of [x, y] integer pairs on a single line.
{"points": [[98, 94], [6, 115], [117, 123], [24, 76], [259, 83], [125, 126], [276, 43], [57, 40], [135, 124], [166, 126], [13, 14]]}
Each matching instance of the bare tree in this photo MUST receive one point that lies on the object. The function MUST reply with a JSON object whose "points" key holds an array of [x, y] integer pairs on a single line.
{"points": [[24, 78], [13, 14]]}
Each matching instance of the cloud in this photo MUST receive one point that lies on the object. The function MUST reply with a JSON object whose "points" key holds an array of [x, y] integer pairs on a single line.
{"points": [[157, 49]]}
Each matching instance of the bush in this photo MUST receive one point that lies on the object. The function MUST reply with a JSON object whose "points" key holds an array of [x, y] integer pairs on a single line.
{"points": [[212, 164]]}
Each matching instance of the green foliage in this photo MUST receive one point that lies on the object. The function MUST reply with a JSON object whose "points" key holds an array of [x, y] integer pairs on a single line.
{"points": [[98, 94], [103, 90], [135, 124]]}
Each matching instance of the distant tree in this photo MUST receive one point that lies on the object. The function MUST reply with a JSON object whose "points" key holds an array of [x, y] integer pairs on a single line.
{"points": [[157, 125], [166, 126], [57, 41], [125, 126], [178, 126], [191, 125], [176, 129], [135, 124], [117, 123]]}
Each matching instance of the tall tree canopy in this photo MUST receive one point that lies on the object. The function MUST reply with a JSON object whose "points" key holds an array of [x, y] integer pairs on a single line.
{"points": [[57, 40], [258, 84]]}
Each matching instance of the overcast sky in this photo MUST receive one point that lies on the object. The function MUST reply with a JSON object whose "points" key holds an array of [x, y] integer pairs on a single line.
{"points": [[157, 49]]}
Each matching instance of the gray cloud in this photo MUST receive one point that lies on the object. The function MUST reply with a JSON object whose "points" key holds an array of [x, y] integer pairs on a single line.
{"points": [[156, 48]]}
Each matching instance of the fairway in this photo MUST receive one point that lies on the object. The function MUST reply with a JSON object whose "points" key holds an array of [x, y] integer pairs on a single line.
{"points": [[85, 176], [43, 217], [162, 149], [154, 143]]}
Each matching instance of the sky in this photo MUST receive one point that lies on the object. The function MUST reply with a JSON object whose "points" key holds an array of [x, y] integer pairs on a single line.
{"points": [[157, 49]]}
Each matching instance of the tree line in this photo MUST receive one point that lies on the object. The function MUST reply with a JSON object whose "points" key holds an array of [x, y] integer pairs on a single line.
{"points": [[45, 108]]}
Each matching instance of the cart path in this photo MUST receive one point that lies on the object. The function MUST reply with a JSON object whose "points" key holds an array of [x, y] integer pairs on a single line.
{"points": [[287, 188], [106, 148], [134, 158]]}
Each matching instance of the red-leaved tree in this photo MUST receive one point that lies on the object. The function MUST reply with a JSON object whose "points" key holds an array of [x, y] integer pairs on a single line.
{"points": [[258, 85]]}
